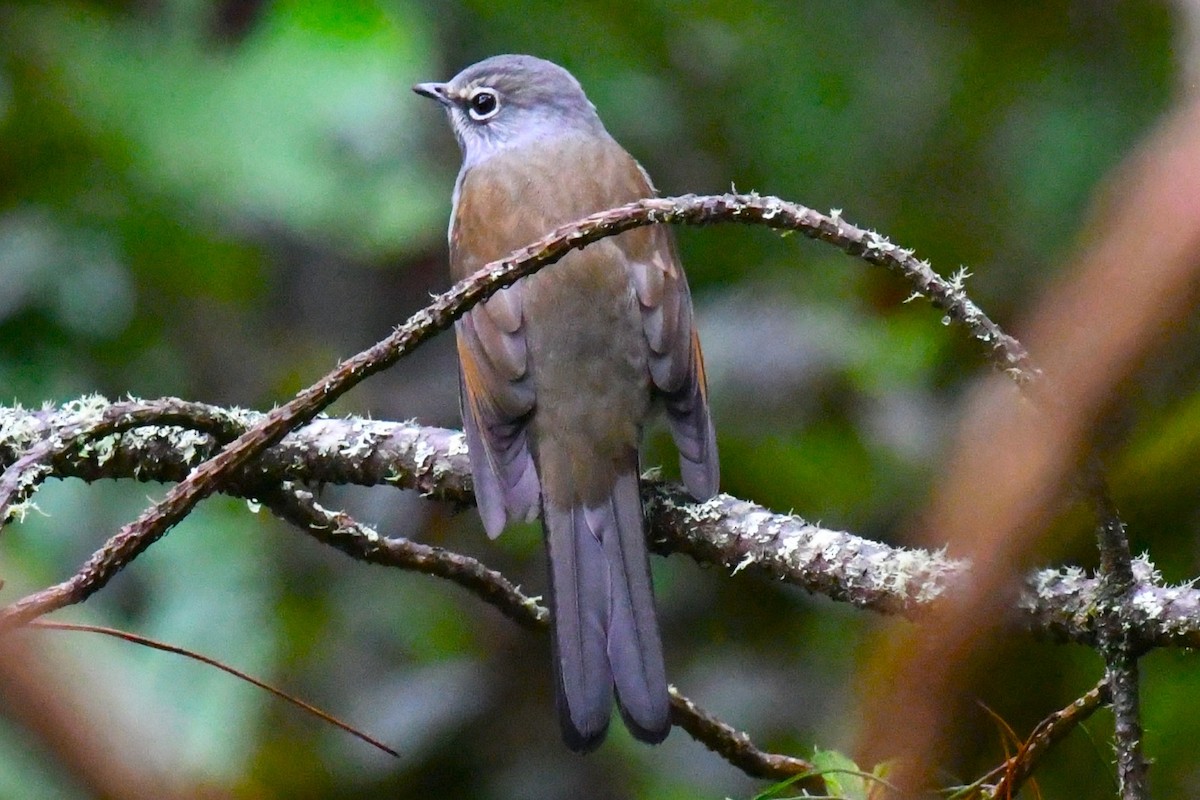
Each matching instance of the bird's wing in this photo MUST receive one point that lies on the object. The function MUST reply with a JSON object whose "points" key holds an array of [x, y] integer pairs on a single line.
{"points": [[497, 399], [675, 361]]}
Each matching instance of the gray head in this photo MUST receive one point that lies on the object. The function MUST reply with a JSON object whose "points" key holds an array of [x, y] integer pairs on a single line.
{"points": [[509, 101]]}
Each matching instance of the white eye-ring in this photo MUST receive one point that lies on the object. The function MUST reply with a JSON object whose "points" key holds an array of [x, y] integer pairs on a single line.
{"points": [[483, 104]]}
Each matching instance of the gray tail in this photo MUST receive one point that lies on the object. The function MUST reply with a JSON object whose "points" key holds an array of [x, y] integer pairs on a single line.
{"points": [[605, 628]]}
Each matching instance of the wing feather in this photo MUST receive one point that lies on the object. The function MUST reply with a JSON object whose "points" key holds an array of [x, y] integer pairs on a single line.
{"points": [[497, 401], [675, 361]]}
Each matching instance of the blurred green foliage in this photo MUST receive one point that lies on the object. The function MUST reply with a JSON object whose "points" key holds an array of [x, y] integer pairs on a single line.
{"points": [[219, 199]]}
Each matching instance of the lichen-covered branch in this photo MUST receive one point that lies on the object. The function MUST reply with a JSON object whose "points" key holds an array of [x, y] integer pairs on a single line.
{"points": [[742, 536], [735, 534], [177, 435], [32, 441]]}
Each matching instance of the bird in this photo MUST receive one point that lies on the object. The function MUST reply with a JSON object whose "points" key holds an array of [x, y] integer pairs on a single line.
{"points": [[560, 373]]}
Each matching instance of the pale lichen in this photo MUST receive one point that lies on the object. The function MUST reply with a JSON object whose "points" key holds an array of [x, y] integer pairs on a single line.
{"points": [[17, 512], [709, 511], [423, 453], [456, 445], [747, 561]]}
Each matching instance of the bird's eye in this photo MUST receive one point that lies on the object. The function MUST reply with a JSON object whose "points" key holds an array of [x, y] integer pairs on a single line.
{"points": [[483, 104]]}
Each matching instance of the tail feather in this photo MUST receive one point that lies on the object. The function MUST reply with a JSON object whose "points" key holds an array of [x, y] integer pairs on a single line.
{"points": [[634, 644], [579, 600], [605, 628]]}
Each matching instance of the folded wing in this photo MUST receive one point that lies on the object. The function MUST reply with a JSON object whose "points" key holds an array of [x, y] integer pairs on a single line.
{"points": [[498, 398], [675, 361]]}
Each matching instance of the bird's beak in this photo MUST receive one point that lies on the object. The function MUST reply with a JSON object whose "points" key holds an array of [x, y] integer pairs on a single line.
{"points": [[436, 91]]}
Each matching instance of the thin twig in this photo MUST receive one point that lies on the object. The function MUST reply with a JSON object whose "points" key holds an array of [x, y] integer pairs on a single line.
{"points": [[1013, 773], [338, 529], [145, 641], [1119, 643], [736, 747]]}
